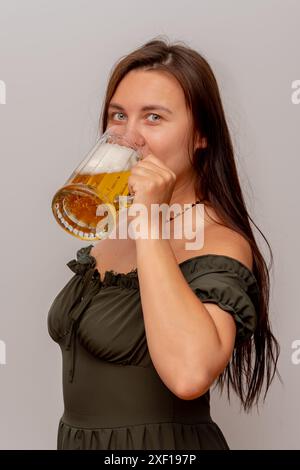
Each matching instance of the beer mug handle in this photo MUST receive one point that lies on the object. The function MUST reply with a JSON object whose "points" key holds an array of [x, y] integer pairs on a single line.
{"points": [[129, 199], [139, 156]]}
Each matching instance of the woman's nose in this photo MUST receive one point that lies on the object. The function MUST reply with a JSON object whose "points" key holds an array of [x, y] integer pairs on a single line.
{"points": [[134, 137], [131, 137]]}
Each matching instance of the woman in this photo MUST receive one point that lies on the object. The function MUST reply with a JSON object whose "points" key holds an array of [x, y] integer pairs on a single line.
{"points": [[147, 326]]}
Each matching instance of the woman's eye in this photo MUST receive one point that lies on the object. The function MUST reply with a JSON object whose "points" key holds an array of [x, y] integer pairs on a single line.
{"points": [[156, 115], [113, 116]]}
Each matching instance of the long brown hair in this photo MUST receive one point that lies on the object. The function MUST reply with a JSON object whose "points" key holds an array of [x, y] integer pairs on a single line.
{"points": [[254, 360]]}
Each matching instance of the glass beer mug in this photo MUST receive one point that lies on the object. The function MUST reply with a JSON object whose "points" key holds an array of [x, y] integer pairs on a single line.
{"points": [[99, 180]]}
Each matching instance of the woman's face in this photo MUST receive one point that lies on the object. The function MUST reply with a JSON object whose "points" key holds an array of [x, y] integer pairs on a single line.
{"points": [[149, 107]]}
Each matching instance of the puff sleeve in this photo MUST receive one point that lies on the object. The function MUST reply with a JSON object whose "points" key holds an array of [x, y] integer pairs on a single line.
{"points": [[228, 283]]}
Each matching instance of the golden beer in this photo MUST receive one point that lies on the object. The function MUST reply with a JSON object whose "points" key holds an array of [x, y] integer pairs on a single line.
{"points": [[100, 179]]}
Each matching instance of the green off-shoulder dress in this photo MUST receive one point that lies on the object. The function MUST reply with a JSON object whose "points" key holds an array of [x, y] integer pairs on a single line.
{"points": [[113, 397]]}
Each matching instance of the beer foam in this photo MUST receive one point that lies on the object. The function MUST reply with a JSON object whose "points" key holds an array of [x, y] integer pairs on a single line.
{"points": [[110, 158]]}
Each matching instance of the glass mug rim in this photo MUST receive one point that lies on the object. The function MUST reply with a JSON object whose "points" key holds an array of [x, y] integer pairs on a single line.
{"points": [[113, 132]]}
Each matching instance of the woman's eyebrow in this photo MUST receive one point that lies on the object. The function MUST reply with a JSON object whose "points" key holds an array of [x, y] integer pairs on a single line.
{"points": [[149, 107]]}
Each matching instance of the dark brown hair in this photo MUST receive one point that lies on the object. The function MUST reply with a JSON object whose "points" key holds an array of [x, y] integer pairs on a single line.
{"points": [[255, 359]]}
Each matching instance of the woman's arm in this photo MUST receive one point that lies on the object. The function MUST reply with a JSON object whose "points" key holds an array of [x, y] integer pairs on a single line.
{"points": [[189, 343]]}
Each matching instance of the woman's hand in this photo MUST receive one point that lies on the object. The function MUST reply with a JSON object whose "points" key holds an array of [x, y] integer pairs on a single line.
{"points": [[152, 182]]}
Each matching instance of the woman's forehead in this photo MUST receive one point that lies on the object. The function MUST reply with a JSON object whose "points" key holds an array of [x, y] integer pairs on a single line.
{"points": [[147, 88]]}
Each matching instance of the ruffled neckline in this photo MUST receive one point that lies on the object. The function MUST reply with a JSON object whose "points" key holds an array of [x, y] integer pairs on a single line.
{"points": [[86, 262], [190, 268]]}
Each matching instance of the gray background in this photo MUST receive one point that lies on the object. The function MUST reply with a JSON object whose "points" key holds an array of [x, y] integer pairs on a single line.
{"points": [[55, 57]]}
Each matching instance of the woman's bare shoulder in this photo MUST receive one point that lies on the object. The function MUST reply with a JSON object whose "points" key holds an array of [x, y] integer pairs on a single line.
{"points": [[222, 239]]}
